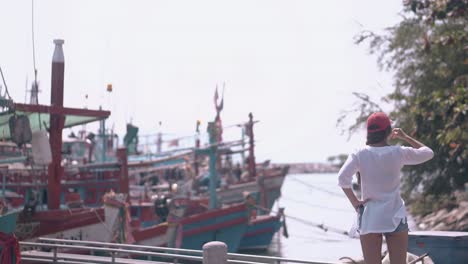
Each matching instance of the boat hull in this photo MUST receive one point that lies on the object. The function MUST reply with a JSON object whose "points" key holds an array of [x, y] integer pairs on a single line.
{"points": [[260, 232], [271, 183], [446, 247], [151, 236], [8, 222], [94, 224], [227, 225]]}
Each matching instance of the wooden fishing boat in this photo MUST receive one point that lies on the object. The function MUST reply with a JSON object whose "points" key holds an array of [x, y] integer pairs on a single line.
{"points": [[260, 232], [270, 181], [265, 187], [45, 212], [443, 247], [69, 191]]}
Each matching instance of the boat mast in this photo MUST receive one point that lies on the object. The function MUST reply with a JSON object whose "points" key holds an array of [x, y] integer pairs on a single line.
{"points": [[57, 121], [197, 146], [103, 138], [251, 161], [243, 146], [34, 98], [212, 149]]}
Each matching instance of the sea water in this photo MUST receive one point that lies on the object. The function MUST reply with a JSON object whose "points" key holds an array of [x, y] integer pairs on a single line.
{"points": [[312, 199]]}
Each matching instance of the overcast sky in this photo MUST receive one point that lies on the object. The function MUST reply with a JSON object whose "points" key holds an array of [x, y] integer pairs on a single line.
{"points": [[292, 63]]}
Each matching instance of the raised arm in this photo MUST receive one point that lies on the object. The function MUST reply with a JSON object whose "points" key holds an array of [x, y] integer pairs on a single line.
{"points": [[400, 134], [419, 152]]}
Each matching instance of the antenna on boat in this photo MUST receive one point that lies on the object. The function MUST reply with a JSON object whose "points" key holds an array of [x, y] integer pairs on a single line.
{"points": [[26, 90], [34, 86], [250, 134], [197, 146], [159, 139]]}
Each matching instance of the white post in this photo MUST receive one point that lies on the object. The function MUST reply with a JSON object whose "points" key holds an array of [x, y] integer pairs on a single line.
{"points": [[215, 252]]}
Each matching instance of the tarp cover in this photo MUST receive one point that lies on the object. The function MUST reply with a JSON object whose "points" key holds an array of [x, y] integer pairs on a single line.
{"points": [[43, 118]]}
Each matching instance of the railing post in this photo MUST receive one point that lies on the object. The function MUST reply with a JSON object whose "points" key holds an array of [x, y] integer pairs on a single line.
{"points": [[112, 257], [215, 252], [55, 254]]}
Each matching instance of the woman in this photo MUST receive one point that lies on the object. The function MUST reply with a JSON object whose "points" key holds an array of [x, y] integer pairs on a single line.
{"points": [[381, 210]]}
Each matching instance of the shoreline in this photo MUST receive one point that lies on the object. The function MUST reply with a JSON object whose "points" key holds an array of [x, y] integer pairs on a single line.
{"points": [[444, 219], [450, 214]]}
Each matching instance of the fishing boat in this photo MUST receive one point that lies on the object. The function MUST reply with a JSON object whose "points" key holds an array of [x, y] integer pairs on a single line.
{"points": [[443, 247], [192, 222], [264, 184], [66, 202], [39, 182], [260, 232], [68, 192]]}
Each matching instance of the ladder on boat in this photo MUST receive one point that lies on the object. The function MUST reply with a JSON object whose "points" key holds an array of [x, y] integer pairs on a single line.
{"points": [[49, 250]]}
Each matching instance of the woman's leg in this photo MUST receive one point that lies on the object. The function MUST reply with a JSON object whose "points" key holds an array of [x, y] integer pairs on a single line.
{"points": [[397, 244], [372, 248]]}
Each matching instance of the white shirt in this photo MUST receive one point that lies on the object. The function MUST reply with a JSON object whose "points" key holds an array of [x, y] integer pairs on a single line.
{"points": [[380, 183]]}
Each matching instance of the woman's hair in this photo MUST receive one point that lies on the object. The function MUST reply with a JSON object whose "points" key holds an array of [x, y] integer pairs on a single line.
{"points": [[379, 136]]}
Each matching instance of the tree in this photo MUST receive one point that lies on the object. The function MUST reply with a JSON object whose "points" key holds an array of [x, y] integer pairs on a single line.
{"points": [[427, 53]]}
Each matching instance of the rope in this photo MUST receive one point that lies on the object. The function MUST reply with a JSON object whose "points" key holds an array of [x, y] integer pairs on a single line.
{"points": [[419, 258], [94, 211], [315, 205], [348, 258], [4, 83], [33, 44], [34, 60], [102, 222], [307, 222], [321, 226], [318, 188]]}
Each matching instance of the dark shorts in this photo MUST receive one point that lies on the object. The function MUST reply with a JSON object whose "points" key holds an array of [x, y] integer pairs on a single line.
{"points": [[403, 226]]}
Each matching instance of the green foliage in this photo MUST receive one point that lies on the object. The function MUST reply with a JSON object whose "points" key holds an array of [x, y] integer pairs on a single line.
{"points": [[427, 51], [363, 108], [425, 205]]}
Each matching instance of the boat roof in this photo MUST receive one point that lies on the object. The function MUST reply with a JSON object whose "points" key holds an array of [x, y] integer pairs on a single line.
{"points": [[39, 116]]}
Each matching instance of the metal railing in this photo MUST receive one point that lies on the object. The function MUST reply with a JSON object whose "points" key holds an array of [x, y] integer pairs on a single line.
{"points": [[54, 250]]}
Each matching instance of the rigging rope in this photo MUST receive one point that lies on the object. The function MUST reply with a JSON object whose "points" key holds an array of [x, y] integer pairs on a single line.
{"points": [[307, 222], [317, 188], [34, 61], [4, 83], [315, 205], [33, 43]]}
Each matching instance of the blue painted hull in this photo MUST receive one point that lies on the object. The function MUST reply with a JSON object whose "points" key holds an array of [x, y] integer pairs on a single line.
{"points": [[8, 226], [273, 196], [443, 247], [226, 225], [8, 222], [260, 232]]}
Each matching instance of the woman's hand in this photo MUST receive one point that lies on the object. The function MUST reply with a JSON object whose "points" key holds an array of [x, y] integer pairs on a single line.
{"points": [[359, 203], [398, 133], [355, 202]]}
